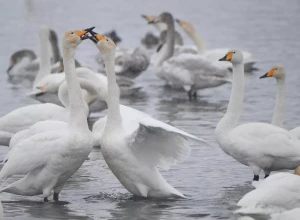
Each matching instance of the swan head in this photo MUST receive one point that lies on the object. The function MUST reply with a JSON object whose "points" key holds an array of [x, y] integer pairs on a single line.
{"points": [[164, 17], [186, 26], [234, 56], [74, 38], [105, 45], [275, 71], [297, 171]]}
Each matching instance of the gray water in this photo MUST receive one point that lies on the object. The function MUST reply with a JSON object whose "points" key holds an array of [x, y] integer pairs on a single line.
{"points": [[212, 181]]}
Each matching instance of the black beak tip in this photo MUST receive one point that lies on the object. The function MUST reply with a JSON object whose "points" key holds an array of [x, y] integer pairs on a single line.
{"points": [[264, 76], [177, 20], [144, 16], [89, 29]]}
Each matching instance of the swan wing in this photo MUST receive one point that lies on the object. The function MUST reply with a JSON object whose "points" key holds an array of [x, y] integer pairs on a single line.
{"points": [[266, 140], [155, 142], [32, 153]]}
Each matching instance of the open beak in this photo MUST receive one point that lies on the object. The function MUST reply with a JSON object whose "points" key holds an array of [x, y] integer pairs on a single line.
{"points": [[95, 37], [84, 33]]}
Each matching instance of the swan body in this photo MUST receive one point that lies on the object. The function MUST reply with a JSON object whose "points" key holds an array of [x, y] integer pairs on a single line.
{"points": [[278, 192], [133, 147], [287, 215], [278, 73], [24, 117], [260, 146], [190, 71], [48, 159], [214, 54], [129, 63]]}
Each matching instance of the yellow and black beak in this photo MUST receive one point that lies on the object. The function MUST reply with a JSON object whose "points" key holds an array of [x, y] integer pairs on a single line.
{"points": [[83, 34], [96, 37], [180, 22], [227, 57], [268, 74], [148, 18]]}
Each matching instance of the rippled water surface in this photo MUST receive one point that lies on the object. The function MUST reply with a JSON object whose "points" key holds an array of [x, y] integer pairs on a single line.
{"points": [[212, 181]]}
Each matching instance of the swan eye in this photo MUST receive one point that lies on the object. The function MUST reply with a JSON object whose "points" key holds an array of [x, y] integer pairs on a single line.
{"points": [[106, 39], [233, 52], [72, 32]]}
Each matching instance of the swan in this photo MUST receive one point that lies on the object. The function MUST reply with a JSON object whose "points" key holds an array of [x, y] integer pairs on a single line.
{"points": [[162, 29], [261, 146], [50, 158], [24, 117], [278, 72], [277, 193], [215, 54], [190, 71], [129, 63], [18, 67], [135, 145]]}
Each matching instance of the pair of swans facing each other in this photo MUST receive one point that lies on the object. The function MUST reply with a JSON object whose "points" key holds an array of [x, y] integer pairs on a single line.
{"points": [[261, 146], [130, 153]]}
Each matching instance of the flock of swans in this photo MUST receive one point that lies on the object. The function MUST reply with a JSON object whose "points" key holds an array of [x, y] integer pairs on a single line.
{"points": [[50, 141]]}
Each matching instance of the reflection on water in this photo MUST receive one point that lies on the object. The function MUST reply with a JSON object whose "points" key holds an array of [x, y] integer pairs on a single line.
{"points": [[212, 181]]}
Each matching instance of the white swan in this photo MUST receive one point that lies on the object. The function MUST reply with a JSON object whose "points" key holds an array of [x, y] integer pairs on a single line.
{"points": [[278, 73], [192, 72], [133, 146], [24, 117], [277, 193], [215, 54], [50, 158], [25, 63], [260, 146]]}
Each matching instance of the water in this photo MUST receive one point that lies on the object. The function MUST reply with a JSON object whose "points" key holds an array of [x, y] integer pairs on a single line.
{"points": [[212, 181]]}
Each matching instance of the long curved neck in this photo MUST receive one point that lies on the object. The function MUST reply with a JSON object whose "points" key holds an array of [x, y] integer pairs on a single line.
{"points": [[279, 109], [168, 51], [197, 40], [160, 26], [232, 115], [113, 100], [77, 111], [55, 48], [45, 65]]}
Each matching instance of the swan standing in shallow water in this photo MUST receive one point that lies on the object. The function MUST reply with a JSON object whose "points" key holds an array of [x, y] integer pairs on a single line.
{"points": [[134, 146], [277, 193], [215, 54], [190, 71], [260, 146], [278, 73], [50, 158]]}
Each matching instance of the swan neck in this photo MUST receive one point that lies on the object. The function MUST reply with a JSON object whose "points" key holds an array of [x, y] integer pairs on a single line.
{"points": [[160, 27], [279, 109], [76, 106], [113, 100], [232, 115], [170, 43], [55, 50], [198, 41], [45, 60]]}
